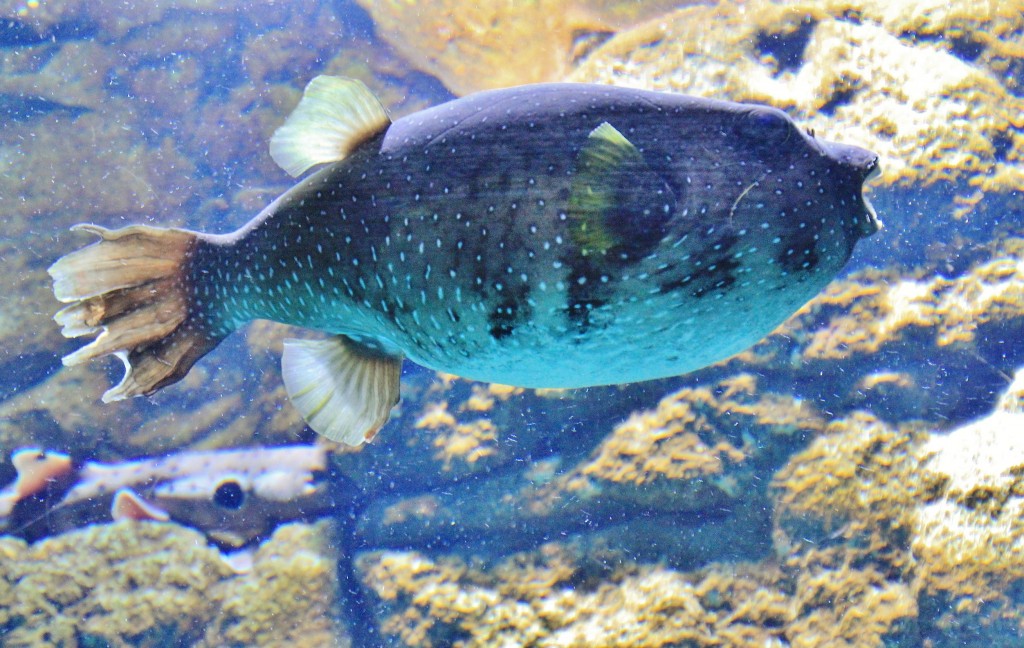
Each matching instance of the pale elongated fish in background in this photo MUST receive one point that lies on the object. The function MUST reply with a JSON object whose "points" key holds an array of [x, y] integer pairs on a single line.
{"points": [[556, 235], [235, 497]]}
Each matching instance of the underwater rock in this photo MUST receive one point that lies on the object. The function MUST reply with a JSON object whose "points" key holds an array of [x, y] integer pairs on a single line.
{"points": [[468, 46], [857, 482], [150, 584], [968, 536], [902, 80], [70, 77], [105, 18], [289, 598], [562, 596], [705, 452], [938, 513], [875, 309]]}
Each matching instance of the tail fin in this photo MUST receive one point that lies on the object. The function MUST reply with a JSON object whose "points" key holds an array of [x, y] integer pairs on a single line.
{"points": [[131, 290]]}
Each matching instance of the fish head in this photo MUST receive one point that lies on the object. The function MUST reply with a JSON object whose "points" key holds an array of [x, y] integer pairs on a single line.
{"points": [[805, 169], [749, 205], [860, 165], [788, 198], [238, 503]]}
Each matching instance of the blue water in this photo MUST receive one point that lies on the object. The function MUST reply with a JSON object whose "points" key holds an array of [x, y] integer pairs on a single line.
{"points": [[479, 510]]}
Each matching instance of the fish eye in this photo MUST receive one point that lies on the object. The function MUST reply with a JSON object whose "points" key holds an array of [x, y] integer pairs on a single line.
{"points": [[764, 125], [229, 495]]}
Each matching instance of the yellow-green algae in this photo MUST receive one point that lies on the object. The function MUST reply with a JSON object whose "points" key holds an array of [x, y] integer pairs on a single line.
{"points": [[885, 535], [695, 448], [150, 584], [857, 481], [890, 76], [969, 538], [873, 308], [939, 512], [558, 597]]}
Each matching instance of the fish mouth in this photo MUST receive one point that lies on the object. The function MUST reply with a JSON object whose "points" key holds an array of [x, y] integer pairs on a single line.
{"points": [[871, 222]]}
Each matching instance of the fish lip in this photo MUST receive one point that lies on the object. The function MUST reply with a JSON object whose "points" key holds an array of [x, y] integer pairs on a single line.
{"points": [[874, 169], [871, 223]]}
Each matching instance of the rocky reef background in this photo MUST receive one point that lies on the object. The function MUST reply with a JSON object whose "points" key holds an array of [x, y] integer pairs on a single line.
{"points": [[852, 480]]}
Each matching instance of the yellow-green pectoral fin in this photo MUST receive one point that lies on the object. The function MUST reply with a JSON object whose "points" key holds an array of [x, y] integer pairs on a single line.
{"points": [[334, 116], [617, 201], [343, 389]]}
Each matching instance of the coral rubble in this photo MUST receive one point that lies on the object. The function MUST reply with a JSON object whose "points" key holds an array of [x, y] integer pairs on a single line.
{"points": [[148, 584], [559, 597]]}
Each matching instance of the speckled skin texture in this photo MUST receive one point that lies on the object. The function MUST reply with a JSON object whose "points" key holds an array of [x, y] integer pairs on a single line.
{"points": [[458, 239]]}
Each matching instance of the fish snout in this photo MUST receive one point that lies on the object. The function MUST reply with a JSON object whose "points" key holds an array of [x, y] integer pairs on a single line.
{"points": [[863, 165], [869, 170], [861, 160]]}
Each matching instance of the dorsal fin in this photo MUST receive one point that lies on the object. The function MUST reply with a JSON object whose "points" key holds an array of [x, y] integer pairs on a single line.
{"points": [[129, 505], [334, 116]]}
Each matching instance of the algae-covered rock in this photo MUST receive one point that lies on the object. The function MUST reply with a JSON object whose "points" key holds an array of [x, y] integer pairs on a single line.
{"points": [[871, 309], [289, 598], [701, 449], [968, 538], [858, 481], [558, 596], [469, 46], [148, 584], [937, 513]]}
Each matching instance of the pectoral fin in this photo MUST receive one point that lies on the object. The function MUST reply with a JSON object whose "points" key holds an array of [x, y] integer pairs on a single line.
{"points": [[343, 389], [618, 203], [334, 116]]}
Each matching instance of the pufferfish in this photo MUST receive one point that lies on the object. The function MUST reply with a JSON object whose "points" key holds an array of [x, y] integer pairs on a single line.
{"points": [[552, 235]]}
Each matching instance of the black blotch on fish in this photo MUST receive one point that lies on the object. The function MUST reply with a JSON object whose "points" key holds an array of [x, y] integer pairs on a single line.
{"points": [[645, 206], [511, 312], [716, 271], [800, 256]]}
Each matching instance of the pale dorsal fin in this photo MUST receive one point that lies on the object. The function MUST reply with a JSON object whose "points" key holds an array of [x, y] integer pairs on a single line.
{"points": [[129, 505], [334, 116], [343, 389]]}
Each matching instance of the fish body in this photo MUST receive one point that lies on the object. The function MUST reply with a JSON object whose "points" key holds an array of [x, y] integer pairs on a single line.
{"points": [[235, 497], [557, 235]]}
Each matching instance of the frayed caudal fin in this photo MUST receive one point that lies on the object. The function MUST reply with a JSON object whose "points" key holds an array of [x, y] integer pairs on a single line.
{"points": [[131, 290]]}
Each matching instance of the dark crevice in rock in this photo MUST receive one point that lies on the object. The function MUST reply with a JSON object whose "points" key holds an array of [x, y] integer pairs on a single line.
{"points": [[786, 48]]}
